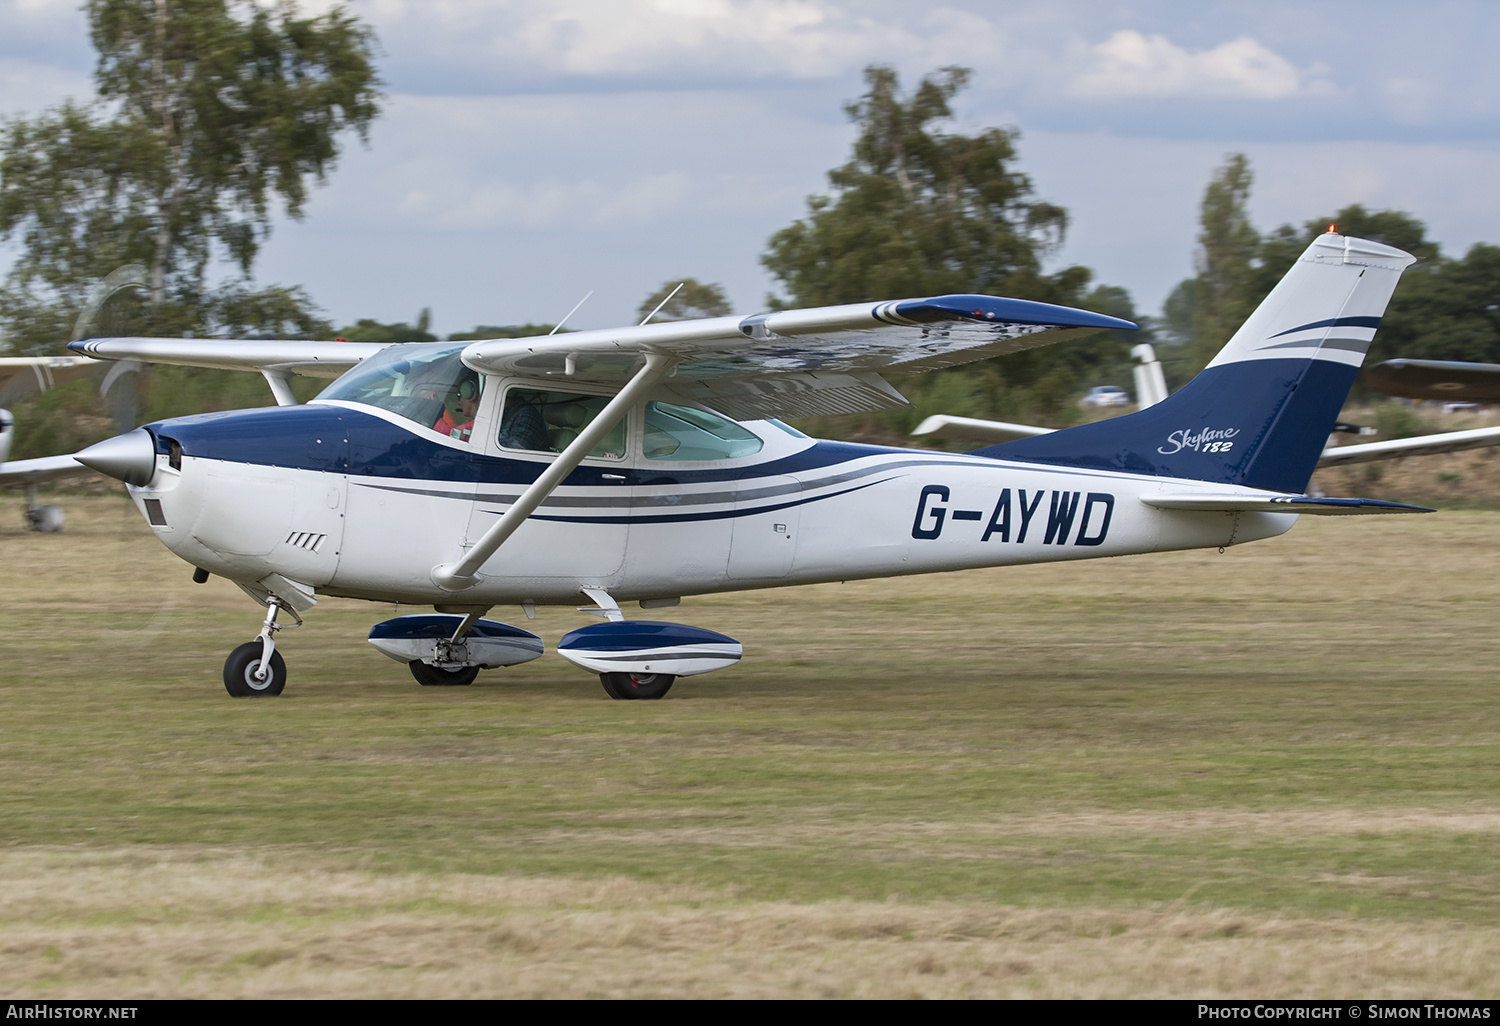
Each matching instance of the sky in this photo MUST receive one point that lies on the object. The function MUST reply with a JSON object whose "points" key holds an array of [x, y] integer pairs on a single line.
{"points": [[530, 152]]}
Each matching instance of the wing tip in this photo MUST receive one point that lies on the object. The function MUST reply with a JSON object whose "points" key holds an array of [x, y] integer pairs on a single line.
{"points": [[986, 309]]}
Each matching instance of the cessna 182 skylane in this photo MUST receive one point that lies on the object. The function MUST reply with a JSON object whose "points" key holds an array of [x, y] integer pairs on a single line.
{"points": [[644, 464]]}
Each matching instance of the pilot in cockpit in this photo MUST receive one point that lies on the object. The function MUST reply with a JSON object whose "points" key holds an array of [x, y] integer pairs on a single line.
{"points": [[459, 407]]}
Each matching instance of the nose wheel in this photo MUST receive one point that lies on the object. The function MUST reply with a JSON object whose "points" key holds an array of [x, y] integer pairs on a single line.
{"points": [[256, 669], [243, 676]]}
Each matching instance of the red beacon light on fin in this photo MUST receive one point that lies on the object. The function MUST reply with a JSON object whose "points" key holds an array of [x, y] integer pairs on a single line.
{"points": [[1332, 229]]}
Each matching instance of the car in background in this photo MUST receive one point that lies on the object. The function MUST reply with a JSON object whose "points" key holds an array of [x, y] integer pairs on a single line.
{"points": [[1105, 395]]}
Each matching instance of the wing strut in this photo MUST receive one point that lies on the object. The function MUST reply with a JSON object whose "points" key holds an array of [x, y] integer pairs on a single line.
{"points": [[464, 573]]}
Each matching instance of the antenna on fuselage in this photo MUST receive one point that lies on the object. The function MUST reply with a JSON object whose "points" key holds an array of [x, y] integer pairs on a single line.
{"points": [[556, 327], [663, 303]]}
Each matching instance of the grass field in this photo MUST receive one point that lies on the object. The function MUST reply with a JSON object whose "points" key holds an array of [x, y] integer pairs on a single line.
{"points": [[1274, 771]]}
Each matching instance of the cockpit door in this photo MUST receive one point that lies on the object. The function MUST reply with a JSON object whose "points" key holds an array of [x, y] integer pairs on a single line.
{"points": [[581, 529]]}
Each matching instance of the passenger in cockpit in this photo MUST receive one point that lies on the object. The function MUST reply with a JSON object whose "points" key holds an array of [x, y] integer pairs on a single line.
{"points": [[459, 407]]}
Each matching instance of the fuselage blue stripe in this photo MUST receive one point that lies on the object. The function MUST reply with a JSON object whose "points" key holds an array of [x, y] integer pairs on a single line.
{"points": [[682, 518]]}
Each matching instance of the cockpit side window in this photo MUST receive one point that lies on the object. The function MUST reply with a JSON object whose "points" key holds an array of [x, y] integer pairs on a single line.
{"points": [[541, 421], [427, 385], [683, 433]]}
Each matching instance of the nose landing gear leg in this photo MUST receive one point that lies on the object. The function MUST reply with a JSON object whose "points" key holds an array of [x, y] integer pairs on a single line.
{"points": [[255, 668]]}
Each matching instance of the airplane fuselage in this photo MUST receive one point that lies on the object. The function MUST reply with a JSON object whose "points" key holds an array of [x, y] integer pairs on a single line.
{"points": [[354, 501]]}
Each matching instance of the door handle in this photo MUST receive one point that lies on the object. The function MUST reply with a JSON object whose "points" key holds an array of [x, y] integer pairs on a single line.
{"points": [[613, 477]]}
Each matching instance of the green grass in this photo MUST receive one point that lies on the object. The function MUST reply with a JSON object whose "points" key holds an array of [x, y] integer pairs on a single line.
{"points": [[1040, 737]]}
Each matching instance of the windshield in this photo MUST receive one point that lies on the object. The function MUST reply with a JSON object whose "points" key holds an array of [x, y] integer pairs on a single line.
{"points": [[425, 384]]}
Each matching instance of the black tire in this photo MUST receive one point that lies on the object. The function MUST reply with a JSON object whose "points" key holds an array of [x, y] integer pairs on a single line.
{"points": [[438, 677], [239, 672], [637, 685]]}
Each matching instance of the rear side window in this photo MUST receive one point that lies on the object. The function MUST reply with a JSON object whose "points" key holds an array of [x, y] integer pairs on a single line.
{"points": [[683, 433], [548, 421]]}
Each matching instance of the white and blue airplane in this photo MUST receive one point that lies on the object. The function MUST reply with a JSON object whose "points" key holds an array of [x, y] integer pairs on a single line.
{"points": [[645, 464]]}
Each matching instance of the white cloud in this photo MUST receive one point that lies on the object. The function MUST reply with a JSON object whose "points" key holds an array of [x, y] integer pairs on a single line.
{"points": [[1131, 65], [657, 39]]}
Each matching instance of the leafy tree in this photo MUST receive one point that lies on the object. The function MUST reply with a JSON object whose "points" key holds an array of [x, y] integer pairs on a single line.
{"points": [[922, 212], [367, 330], [207, 113], [1227, 244], [1443, 308], [504, 331], [692, 301]]}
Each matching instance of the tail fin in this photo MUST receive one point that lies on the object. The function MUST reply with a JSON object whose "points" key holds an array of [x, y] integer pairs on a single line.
{"points": [[1259, 414]]}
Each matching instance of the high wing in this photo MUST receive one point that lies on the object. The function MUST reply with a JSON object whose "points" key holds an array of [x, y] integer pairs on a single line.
{"points": [[276, 360], [791, 363], [799, 363], [315, 359], [1449, 380]]}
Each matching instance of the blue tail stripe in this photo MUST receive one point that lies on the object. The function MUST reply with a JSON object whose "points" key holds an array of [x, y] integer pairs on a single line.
{"points": [[1333, 322]]}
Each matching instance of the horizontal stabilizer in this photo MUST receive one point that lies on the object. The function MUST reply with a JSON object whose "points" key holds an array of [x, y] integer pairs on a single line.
{"points": [[1240, 503], [44, 468], [1422, 445]]}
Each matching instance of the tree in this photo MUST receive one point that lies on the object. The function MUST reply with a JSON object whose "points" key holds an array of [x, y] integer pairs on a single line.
{"points": [[208, 112], [1443, 309], [692, 301], [920, 212], [505, 331], [1227, 245], [367, 330]]}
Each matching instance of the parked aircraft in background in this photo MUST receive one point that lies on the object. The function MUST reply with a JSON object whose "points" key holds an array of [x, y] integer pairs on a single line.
{"points": [[645, 464], [1443, 380], [24, 375], [21, 376]]}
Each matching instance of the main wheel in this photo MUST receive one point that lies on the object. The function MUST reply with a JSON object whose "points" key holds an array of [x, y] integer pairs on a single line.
{"points": [[243, 664], [636, 685], [437, 676], [46, 518]]}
